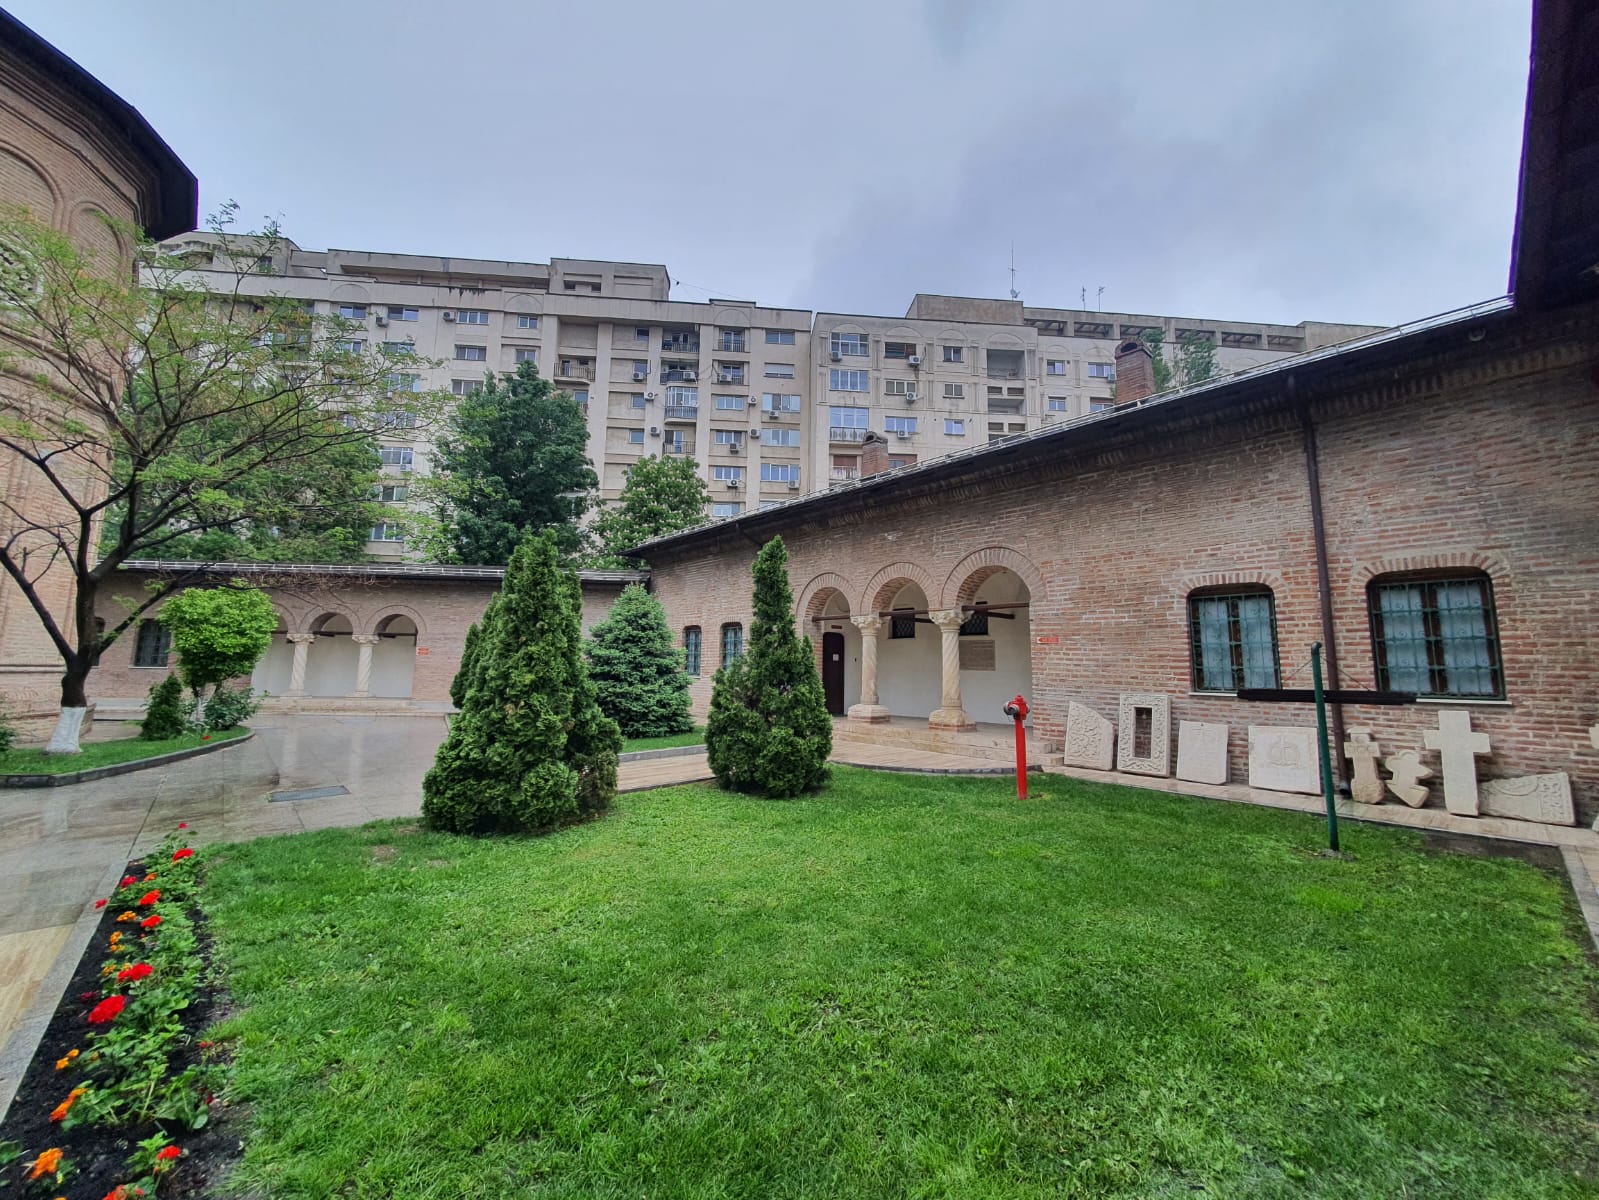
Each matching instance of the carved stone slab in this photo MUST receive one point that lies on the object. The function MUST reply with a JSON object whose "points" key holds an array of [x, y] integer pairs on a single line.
{"points": [[1201, 752], [1090, 738], [1408, 771], [1158, 760], [1545, 798], [1366, 786], [1282, 758]]}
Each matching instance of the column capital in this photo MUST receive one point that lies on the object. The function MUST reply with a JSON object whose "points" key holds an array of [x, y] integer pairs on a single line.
{"points": [[365, 639], [948, 618], [870, 625], [301, 639]]}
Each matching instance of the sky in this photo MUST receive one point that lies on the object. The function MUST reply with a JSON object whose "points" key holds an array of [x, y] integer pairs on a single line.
{"points": [[1230, 159]]}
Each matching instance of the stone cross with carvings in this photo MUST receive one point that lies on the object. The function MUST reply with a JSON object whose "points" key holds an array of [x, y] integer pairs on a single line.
{"points": [[1362, 752], [1458, 746]]}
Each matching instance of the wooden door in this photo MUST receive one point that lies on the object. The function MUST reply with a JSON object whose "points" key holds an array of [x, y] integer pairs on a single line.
{"points": [[833, 672]]}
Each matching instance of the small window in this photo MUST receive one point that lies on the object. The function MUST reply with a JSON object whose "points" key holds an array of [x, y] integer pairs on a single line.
{"points": [[691, 650], [954, 428], [637, 400], [472, 316], [1054, 366], [388, 531], [465, 387], [727, 474], [1101, 370], [1234, 641], [527, 321], [853, 344], [641, 333], [899, 387], [152, 644], [1095, 406], [732, 642], [635, 437], [901, 460], [730, 403], [471, 353], [848, 381], [780, 437], [1056, 404], [353, 312], [392, 492], [902, 623], [726, 509], [1436, 637], [954, 391], [899, 349], [402, 457], [898, 425], [953, 354], [780, 370], [780, 472], [400, 313], [776, 402], [779, 337], [527, 354]]}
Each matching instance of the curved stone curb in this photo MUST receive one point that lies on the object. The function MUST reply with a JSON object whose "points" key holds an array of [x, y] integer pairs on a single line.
{"points": [[127, 768], [665, 752]]}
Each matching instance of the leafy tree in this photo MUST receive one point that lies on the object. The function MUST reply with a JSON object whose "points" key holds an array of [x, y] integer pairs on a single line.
{"points": [[530, 749], [513, 460], [164, 713], [462, 682], [219, 633], [1155, 340], [768, 730], [160, 410], [637, 670], [1194, 362], [663, 493]]}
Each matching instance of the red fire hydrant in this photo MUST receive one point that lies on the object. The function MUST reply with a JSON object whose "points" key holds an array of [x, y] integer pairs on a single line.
{"points": [[1016, 710]]}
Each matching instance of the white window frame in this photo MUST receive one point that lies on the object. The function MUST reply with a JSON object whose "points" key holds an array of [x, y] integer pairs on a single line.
{"points": [[848, 416], [780, 402], [780, 437], [403, 312], [527, 320], [954, 427], [729, 403], [779, 337], [851, 345], [727, 474], [843, 379], [780, 472], [471, 316], [635, 437], [954, 354], [463, 353], [899, 424], [1051, 365]]}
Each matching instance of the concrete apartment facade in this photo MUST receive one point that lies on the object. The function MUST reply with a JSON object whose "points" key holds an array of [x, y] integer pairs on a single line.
{"points": [[772, 403]]}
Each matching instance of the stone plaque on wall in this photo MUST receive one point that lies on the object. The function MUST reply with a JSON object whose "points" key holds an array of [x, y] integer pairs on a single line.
{"points": [[1283, 758], [977, 654], [1090, 738], [1143, 742]]}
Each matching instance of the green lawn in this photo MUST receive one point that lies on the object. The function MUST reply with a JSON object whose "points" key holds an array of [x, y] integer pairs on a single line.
{"points": [[102, 754], [906, 987], [694, 737]]}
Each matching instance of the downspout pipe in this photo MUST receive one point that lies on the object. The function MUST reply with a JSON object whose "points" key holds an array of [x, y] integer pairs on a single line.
{"points": [[1323, 584]]}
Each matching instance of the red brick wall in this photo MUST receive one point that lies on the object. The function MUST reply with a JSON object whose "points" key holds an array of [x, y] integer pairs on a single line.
{"points": [[1498, 473]]}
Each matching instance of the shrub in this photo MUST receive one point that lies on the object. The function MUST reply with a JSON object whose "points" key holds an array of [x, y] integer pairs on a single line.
{"points": [[462, 682], [165, 714], [768, 730], [228, 707], [531, 749], [219, 633], [8, 733], [637, 671]]}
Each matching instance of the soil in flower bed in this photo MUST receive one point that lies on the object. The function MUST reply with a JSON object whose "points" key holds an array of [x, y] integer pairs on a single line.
{"points": [[98, 1154]]}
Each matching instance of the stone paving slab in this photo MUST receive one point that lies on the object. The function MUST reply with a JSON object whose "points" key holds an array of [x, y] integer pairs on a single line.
{"points": [[927, 762]]}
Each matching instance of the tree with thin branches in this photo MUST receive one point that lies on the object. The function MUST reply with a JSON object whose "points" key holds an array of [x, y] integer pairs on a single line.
{"points": [[141, 413]]}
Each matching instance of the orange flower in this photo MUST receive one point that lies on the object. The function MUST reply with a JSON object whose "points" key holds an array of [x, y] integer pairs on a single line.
{"points": [[120, 1192], [150, 877], [62, 1109], [45, 1164], [130, 915], [65, 1061]]}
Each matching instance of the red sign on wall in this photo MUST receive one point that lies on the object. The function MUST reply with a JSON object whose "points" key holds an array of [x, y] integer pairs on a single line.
{"points": [[421, 650], [1049, 639]]}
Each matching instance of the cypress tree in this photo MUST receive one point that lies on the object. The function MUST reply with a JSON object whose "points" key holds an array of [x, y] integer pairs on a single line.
{"points": [[164, 713], [530, 749], [637, 670], [462, 682], [769, 731]]}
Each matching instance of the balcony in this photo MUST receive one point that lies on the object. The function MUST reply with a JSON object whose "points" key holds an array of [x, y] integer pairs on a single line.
{"points": [[1006, 406], [570, 369], [781, 414], [680, 345], [678, 449], [731, 344], [842, 435], [1005, 364], [679, 375], [682, 412], [845, 474]]}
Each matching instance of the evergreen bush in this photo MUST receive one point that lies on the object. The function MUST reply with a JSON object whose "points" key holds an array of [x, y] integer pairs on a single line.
{"points": [[228, 707], [8, 733], [166, 715], [530, 749], [474, 634], [637, 670], [769, 731]]}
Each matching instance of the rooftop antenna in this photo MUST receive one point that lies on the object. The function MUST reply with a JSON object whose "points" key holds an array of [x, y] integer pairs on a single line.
{"points": [[1099, 299], [1084, 300], [1014, 294]]}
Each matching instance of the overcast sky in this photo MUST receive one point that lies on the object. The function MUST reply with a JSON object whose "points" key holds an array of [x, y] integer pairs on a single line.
{"points": [[1350, 161]]}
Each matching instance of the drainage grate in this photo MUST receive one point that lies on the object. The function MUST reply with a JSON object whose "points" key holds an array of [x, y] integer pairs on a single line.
{"points": [[321, 793]]}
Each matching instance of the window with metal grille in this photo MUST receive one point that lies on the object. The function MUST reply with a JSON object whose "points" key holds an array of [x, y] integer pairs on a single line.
{"points": [[902, 624], [1436, 637], [691, 649], [151, 647], [1234, 641], [732, 642], [975, 624]]}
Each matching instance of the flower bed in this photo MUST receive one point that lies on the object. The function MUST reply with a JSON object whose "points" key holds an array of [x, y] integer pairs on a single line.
{"points": [[121, 1098]]}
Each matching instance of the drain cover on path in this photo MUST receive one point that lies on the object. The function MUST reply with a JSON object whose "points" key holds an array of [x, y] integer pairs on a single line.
{"points": [[321, 793]]}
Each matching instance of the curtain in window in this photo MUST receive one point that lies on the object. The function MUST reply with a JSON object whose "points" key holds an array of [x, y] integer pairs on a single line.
{"points": [[1255, 635], [1463, 630], [1404, 637], [1215, 649]]}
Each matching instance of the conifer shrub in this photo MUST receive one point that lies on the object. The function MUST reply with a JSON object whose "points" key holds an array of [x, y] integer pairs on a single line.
{"points": [[469, 653], [769, 731], [228, 708], [531, 749], [637, 670], [166, 714]]}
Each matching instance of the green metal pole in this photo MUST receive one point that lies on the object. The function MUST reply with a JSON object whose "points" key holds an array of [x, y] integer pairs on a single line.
{"points": [[1324, 753]]}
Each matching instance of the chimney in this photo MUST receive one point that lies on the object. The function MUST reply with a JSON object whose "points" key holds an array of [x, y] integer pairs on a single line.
{"points": [[1135, 372], [874, 454]]}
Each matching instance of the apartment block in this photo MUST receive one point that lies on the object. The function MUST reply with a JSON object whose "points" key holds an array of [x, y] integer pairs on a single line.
{"points": [[772, 403]]}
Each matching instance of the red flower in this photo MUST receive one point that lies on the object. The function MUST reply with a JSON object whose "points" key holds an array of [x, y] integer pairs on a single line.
{"points": [[151, 897], [128, 881], [150, 922], [167, 1154], [206, 738], [134, 973], [184, 853], [183, 824], [106, 1011], [100, 903]]}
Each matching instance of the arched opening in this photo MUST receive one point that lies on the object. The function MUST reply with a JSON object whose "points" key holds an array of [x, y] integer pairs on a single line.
{"points": [[908, 653], [996, 643], [837, 643], [273, 672], [394, 657], [331, 661]]}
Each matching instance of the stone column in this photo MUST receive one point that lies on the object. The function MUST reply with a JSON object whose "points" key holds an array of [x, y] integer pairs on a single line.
{"points": [[868, 709], [302, 646], [363, 663], [950, 715]]}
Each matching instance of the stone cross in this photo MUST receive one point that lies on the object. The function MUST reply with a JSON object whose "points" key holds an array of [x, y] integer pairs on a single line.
{"points": [[1408, 772], [1458, 746], [1362, 752]]}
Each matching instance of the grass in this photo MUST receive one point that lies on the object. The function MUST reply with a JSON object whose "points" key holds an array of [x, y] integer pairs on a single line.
{"points": [[694, 737], [103, 754], [906, 987]]}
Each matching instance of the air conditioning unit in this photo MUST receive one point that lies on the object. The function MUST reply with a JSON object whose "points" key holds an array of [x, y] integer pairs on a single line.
{"points": [[655, 431], [649, 397], [724, 377], [735, 447], [793, 485], [915, 360], [733, 485], [640, 376], [836, 356], [910, 397], [382, 320], [448, 316], [903, 435], [753, 401], [691, 376]]}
